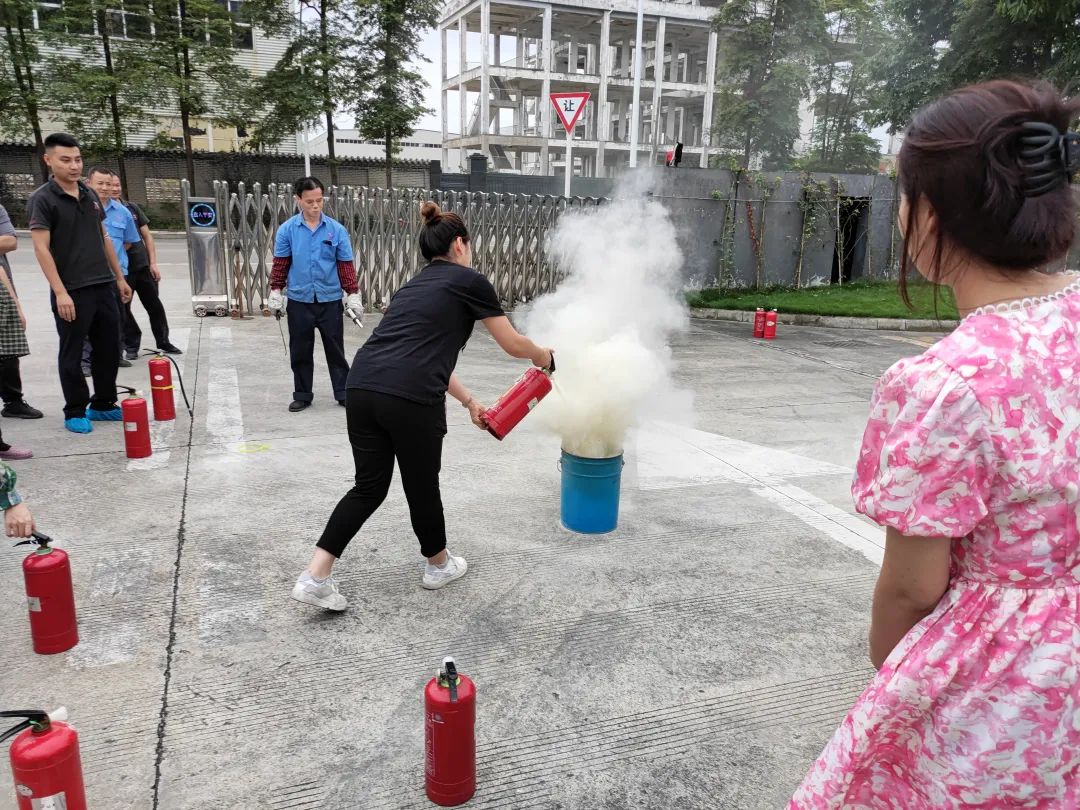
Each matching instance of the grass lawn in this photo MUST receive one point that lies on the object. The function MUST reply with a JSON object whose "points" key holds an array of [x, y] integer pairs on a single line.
{"points": [[858, 300]]}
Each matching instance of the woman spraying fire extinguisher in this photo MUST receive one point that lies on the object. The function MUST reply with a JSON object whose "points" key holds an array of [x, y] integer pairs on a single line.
{"points": [[395, 402]]}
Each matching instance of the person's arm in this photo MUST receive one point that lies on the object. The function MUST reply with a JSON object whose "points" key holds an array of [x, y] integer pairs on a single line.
{"points": [[279, 271], [458, 391], [515, 344], [18, 522], [65, 307], [151, 251], [114, 263], [8, 241], [11, 291], [914, 576]]}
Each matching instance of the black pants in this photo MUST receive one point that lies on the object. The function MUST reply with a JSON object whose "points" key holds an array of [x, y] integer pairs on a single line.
{"points": [[304, 319], [382, 428], [10, 380], [143, 285], [97, 320]]}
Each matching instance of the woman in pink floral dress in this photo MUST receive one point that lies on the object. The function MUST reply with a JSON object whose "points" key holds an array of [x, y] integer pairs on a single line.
{"points": [[971, 460]]}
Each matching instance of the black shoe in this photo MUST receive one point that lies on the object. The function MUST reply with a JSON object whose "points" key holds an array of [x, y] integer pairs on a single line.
{"points": [[86, 371], [131, 354], [125, 363], [168, 348], [20, 410], [297, 405]]}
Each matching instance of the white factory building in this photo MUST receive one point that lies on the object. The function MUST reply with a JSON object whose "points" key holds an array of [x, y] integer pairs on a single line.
{"points": [[501, 59], [423, 144]]}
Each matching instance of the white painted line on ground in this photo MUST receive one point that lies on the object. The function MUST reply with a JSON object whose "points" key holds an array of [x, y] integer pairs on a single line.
{"points": [[162, 433], [844, 528], [224, 421]]}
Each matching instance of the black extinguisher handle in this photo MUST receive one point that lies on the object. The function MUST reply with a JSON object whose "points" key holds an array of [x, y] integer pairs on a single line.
{"points": [[451, 678], [41, 540], [30, 717]]}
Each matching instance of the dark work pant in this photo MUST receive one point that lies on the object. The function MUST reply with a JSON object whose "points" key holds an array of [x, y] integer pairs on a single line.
{"points": [[121, 328], [143, 285], [304, 319], [10, 380], [97, 319], [382, 428]]}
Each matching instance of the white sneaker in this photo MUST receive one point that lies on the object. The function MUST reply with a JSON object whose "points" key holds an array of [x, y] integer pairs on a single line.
{"points": [[320, 594], [435, 577]]}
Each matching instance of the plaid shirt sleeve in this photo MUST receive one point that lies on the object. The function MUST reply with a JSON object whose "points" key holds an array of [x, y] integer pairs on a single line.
{"points": [[8, 496], [347, 276], [280, 272]]}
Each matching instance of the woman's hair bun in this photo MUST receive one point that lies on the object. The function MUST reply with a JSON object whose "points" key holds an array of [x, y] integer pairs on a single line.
{"points": [[430, 212]]}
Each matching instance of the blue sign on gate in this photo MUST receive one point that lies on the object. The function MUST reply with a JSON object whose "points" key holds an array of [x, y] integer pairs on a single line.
{"points": [[202, 215]]}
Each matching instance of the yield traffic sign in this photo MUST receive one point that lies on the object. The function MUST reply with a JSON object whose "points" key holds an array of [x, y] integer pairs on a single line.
{"points": [[569, 106]]}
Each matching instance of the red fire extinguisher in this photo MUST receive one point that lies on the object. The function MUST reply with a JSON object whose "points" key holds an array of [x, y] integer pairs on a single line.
{"points": [[450, 737], [45, 761], [50, 597], [161, 389], [770, 325], [522, 397], [136, 427], [759, 322]]}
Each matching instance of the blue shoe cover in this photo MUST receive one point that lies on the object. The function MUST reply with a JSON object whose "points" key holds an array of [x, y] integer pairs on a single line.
{"points": [[78, 425], [115, 415]]}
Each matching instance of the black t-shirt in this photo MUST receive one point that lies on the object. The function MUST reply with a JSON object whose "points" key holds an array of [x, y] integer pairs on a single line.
{"points": [[413, 351], [76, 240], [138, 257]]}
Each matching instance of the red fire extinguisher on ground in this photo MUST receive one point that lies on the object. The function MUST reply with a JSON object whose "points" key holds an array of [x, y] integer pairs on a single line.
{"points": [[759, 322], [770, 324], [50, 597], [161, 389], [450, 737], [136, 427], [522, 397], [45, 761]]}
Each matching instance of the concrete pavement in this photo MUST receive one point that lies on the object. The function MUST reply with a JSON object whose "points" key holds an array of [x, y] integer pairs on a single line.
{"points": [[697, 658]]}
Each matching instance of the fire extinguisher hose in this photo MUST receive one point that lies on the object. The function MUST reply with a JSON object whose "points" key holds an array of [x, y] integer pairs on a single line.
{"points": [[35, 718]]}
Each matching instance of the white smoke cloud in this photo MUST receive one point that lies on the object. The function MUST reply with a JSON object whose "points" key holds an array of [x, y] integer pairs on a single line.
{"points": [[610, 322]]}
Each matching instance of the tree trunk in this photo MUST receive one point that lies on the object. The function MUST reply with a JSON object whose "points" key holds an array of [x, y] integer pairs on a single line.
{"points": [[327, 96], [185, 96], [114, 105], [24, 77], [389, 157]]}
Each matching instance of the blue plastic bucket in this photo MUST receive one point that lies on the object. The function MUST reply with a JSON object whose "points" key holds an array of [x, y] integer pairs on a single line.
{"points": [[590, 493]]}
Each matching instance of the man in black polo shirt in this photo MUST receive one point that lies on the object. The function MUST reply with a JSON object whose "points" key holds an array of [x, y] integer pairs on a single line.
{"points": [[78, 260]]}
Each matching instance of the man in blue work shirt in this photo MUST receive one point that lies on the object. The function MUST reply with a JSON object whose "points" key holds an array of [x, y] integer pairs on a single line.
{"points": [[120, 225], [313, 262]]}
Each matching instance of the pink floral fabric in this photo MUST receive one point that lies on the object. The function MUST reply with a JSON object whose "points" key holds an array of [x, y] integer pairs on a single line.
{"points": [[979, 705]]}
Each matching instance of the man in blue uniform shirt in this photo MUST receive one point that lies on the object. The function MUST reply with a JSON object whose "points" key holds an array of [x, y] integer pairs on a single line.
{"points": [[313, 263]]}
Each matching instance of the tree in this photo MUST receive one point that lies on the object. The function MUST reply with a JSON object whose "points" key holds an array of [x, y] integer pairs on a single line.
{"points": [[20, 83], [767, 52], [111, 86], [390, 93], [840, 140], [316, 74], [939, 45], [195, 42]]}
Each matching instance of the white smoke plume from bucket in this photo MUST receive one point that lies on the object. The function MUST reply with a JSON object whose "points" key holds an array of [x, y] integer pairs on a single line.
{"points": [[610, 321]]}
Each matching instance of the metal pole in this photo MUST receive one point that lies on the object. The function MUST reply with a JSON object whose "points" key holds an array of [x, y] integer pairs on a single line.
{"points": [[307, 152], [635, 113], [569, 162]]}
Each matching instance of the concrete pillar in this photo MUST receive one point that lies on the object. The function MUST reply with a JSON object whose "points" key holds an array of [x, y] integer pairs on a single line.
{"points": [[546, 112], [657, 97], [571, 55], [603, 114], [445, 99], [497, 44], [625, 69], [519, 56], [710, 89], [463, 59], [485, 76]]}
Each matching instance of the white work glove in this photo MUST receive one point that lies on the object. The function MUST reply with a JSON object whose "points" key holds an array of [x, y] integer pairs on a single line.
{"points": [[354, 306], [275, 301]]}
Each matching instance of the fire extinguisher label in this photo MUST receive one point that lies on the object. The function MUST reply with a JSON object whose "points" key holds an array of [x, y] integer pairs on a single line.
{"points": [[131, 427], [35, 603], [57, 801], [23, 790], [533, 403]]}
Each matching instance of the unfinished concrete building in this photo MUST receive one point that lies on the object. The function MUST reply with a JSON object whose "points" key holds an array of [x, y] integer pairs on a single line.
{"points": [[502, 58]]}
